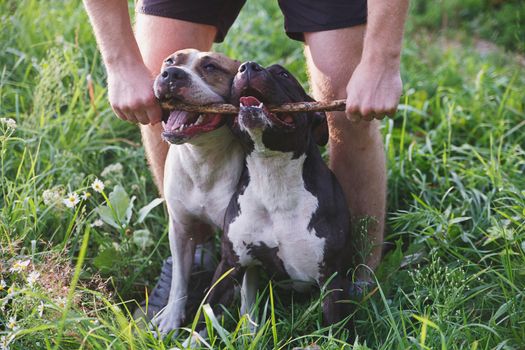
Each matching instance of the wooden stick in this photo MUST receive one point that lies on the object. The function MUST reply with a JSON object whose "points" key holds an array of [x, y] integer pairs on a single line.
{"points": [[337, 105]]}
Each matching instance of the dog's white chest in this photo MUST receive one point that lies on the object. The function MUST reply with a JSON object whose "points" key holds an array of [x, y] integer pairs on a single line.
{"points": [[201, 185], [275, 211]]}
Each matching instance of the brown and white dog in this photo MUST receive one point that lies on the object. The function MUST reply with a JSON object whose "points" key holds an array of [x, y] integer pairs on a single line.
{"points": [[203, 165]]}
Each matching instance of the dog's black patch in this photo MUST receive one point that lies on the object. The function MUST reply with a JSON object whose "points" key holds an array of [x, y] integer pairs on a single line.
{"points": [[268, 258]]}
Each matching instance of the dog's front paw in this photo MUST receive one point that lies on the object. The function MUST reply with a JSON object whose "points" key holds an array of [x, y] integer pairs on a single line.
{"points": [[169, 319]]}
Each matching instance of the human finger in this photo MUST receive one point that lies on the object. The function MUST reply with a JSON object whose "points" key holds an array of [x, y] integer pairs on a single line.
{"points": [[369, 117], [130, 115], [120, 114], [141, 116], [391, 112], [352, 112], [367, 113], [154, 114]]}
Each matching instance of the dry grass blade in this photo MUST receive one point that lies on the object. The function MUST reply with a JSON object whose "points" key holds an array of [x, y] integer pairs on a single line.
{"points": [[337, 105]]}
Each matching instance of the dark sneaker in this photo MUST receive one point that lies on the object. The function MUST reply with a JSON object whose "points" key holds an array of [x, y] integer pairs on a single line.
{"points": [[159, 296], [204, 264]]}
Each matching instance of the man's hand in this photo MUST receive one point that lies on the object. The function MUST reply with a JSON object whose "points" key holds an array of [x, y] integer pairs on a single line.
{"points": [[130, 84], [130, 90], [373, 91], [375, 86]]}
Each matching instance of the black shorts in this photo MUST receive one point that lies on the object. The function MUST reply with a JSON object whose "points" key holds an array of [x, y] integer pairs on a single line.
{"points": [[300, 16]]}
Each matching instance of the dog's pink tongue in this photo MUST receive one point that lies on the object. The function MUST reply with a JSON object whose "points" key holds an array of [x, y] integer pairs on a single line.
{"points": [[249, 101], [176, 119]]}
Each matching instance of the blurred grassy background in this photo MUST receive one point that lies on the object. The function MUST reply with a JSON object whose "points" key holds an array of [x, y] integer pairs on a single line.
{"points": [[499, 21]]}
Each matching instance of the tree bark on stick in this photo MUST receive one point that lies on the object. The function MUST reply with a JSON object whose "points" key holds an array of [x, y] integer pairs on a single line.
{"points": [[337, 105]]}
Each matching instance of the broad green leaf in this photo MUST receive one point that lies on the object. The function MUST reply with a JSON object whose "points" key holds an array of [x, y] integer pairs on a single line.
{"points": [[121, 208], [106, 215], [105, 259], [121, 204], [144, 211]]}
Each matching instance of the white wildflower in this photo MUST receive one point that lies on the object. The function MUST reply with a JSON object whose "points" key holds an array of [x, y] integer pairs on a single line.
{"points": [[19, 266], [2, 285], [9, 122], [11, 324], [85, 195], [51, 197], [112, 168], [61, 301], [40, 309], [32, 278], [4, 342], [71, 200], [97, 185], [97, 223]]}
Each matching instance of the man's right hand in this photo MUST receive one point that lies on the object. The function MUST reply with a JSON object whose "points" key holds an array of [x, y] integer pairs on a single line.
{"points": [[130, 91]]}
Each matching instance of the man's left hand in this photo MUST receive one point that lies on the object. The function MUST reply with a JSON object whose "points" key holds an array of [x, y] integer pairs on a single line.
{"points": [[373, 91]]}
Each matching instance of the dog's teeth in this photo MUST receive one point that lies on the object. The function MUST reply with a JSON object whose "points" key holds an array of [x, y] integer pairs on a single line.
{"points": [[200, 120], [260, 105], [163, 124]]}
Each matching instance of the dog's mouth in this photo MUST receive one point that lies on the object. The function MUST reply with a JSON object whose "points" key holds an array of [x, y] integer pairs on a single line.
{"points": [[251, 105], [180, 126]]}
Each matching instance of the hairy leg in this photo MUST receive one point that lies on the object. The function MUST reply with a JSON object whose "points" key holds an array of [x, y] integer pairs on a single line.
{"points": [[356, 149], [157, 38]]}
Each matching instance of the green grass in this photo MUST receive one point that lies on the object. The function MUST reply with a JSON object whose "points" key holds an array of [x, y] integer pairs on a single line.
{"points": [[500, 21], [454, 279]]}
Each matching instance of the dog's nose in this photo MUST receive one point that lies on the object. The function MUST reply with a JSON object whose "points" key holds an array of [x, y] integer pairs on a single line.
{"points": [[248, 67], [173, 73]]}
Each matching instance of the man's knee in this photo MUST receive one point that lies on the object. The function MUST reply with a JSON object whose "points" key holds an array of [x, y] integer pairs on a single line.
{"points": [[170, 35], [330, 73]]}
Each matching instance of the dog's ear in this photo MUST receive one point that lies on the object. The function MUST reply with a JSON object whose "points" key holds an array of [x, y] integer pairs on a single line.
{"points": [[319, 124], [319, 127]]}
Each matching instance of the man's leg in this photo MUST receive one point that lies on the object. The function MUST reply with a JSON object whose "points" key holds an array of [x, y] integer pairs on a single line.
{"points": [[356, 149], [157, 38]]}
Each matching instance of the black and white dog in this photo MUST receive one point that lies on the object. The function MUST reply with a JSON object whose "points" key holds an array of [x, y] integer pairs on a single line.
{"points": [[202, 168], [288, 214]]}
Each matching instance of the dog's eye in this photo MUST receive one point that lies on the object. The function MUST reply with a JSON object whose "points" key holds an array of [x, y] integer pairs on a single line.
{"points": [[169, 61], [284, 74], [210, 67]]}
